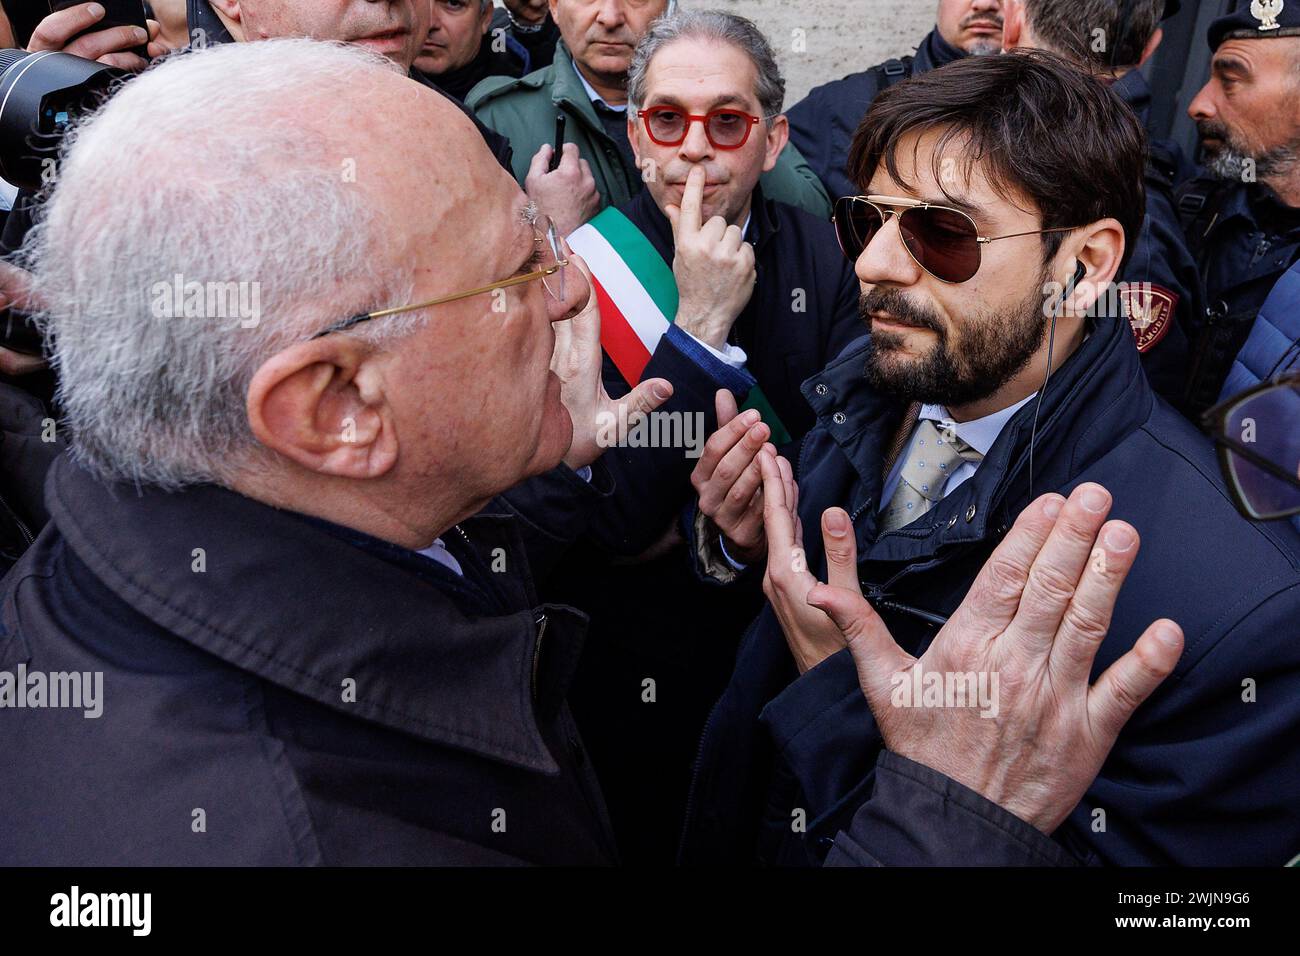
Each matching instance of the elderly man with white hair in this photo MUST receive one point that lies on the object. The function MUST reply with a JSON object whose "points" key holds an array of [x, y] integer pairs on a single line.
{"points": [[307, 634]]}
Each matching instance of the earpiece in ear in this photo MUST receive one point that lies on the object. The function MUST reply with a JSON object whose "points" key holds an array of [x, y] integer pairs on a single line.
{"points": [[1079, 272]]}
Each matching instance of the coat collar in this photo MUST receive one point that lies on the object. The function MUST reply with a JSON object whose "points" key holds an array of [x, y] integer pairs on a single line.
{"points": [[1134, 90], [935, 52], [1097, 397], [298, 605], [567, 89]]}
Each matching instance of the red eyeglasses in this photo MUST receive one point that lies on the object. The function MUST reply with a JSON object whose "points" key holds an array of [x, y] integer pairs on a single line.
{"points": [[726, 129]]}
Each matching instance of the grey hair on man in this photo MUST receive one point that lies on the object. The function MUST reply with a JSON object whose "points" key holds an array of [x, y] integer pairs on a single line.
{"points": [[246, 203], [720, 27], [1104, 35]]}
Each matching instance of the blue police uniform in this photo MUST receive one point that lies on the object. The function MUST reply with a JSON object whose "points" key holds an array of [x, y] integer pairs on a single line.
{"points": [[823, 123], [1242, 235], [1162, 288]]}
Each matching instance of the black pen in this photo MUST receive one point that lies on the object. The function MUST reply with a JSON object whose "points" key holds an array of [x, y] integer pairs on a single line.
{"points": [[559, 141]]}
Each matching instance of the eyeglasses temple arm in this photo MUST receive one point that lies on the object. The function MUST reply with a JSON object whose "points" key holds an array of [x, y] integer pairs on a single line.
{"points": [[1258, 460], [384, 313], [1032, 232]]}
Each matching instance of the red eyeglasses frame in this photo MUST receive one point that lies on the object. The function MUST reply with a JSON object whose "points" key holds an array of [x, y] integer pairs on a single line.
{"points": [[645, 115]]}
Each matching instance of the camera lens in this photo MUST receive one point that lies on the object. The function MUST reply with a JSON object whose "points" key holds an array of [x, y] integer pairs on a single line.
{"points": [[40, 94]]}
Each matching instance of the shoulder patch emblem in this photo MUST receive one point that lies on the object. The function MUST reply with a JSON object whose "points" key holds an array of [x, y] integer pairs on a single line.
{"points": [[1150, 311]]}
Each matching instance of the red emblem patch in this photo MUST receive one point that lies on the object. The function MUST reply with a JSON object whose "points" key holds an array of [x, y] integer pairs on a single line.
{"points": [[1150, 311]]}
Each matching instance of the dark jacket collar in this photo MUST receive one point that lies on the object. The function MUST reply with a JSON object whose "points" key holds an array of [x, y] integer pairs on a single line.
{"points": [[486, 62], [293, 603], [199, 15], [1134, 90], [1098, 397], [1259, 207], [567, 89], [935, 52], [646, 215]]}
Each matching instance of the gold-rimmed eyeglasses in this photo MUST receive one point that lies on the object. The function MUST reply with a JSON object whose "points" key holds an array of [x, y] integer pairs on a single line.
{"points": [[548, 253]]}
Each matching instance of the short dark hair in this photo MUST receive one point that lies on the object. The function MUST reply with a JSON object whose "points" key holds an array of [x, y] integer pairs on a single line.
{"points": [[1039, 127], [1102, 34]]}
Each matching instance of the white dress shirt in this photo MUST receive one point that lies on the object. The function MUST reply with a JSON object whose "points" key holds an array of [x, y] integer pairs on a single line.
{"points": [[438, 550]]}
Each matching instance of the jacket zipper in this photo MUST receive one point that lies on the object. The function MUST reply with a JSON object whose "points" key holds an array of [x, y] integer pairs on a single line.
{"points": [[695, 776], [540, 621], [22, 525]]}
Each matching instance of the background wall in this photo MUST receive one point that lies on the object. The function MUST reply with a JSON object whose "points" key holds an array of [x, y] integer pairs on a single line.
{"points": [[845, 36], [838, 36], [821, 40]]}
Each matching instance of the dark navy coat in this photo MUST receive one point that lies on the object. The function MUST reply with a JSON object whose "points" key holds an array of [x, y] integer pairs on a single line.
{"points": [[228, 735], [1244, 238], [823, 123], [1199, 776]]}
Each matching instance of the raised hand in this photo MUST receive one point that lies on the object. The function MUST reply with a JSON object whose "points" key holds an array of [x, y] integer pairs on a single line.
{"points": [[1035, 617], [729, 482], [713, 265], [112, 47], [577, 360], [568, 194]]}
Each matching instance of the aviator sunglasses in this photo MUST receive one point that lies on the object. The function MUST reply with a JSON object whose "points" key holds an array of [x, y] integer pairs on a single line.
{"points": [[944, 242]]}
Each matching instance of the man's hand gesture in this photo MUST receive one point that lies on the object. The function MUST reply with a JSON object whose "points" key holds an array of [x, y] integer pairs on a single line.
{"points": [[1035, 617], [577, 360], [713, 265], [728, 481]]}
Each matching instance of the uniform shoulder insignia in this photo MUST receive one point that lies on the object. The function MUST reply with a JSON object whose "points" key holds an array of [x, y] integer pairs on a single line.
{"points": [[1150, 311]]}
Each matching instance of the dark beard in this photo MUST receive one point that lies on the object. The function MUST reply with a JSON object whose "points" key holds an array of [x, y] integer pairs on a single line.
{"points": [[991, 352]]}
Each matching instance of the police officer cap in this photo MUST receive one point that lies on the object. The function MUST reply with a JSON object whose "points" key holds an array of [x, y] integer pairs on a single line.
{"points": [[1257, 19]]}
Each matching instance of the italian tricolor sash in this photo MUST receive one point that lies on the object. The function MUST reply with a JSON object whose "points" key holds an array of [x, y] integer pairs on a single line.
{"points": [[637, 295]]}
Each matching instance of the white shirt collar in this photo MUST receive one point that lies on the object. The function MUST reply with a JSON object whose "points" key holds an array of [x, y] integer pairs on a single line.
{"points": [[594, 96], [981, 433], [438, 552]]}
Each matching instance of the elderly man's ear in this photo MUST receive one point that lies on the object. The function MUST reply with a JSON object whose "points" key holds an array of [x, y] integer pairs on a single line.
{"points": [[322, 405]]}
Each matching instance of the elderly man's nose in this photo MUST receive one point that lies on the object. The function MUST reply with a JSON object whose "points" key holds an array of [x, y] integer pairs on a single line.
{"points": [[611, 13], [577, 293]]}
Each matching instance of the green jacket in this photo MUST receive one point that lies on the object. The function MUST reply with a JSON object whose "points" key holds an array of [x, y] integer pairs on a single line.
{"points": [[523, 110]]}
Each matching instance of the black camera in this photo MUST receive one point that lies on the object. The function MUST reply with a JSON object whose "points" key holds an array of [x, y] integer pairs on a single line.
{"points": [[40, 95]]}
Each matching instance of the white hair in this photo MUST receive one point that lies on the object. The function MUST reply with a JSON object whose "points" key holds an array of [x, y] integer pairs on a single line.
{"points": [[217, 167]]}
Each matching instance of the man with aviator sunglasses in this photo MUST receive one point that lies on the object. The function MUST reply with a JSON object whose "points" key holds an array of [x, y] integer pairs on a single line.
{"points": [[991, 375]]}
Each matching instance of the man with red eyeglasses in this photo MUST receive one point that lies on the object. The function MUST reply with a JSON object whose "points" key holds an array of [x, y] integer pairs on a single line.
{"points": [[997, 368], [587, 86], [763, 299]]}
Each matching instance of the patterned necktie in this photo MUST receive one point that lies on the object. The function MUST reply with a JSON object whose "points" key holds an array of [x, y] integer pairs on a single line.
{"points": [[933, 457]]}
